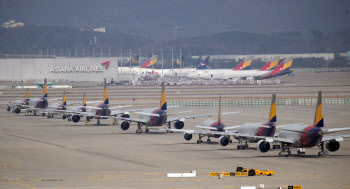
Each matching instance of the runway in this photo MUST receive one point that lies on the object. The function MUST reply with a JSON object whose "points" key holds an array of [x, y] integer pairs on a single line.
{"points": [[37, 152]]}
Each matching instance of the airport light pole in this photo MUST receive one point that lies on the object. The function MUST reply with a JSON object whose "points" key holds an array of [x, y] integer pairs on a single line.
{"points": [[83, 52], [130, 58], [54, 52], [47, 52], [172, 63], [109, 52], [69, 53], [121, 60], [152, 56], [76, 53], [161, 50], [140, 59], [101, 53], [61, 52]]}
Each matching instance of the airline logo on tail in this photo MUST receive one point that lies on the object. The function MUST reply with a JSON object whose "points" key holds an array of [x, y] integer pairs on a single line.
{"points": [[105, 99], [203, 64], [281, 69], [84, 100], [318, 122], [271, 64], [245, 64], [64, 99], [106, 63], [150, 62], [272, 116], [162, 99], [45, 90]]}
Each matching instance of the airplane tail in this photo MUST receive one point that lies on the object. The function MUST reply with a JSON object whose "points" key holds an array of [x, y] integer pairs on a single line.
{"points": [[27, 96], [272, 115], [271, 64], [45, 89], [105, 99], [150, 62], [318, 122], [84, 100], [64, 103], [282, 69], [162, 99], [245, 64], [203, 64]]}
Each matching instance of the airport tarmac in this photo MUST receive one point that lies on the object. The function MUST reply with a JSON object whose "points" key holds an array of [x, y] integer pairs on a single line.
{"points": [[37, 152]]}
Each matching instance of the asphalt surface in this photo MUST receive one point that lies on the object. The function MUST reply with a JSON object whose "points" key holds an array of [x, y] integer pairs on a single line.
{"points": [[37, 152]]}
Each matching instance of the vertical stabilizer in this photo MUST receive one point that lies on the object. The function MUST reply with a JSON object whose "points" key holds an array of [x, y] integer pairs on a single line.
{"points": [[162, 98], [105, 99], [271, 64], [27, 96], [64, 103], [219, 114], [45, 89], [245, 64], [272, 115], [318, 122], [203, 64], [84, 100]]}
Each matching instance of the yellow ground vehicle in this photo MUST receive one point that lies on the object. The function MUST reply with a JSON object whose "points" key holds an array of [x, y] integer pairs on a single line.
{"points": [[253, 172]]}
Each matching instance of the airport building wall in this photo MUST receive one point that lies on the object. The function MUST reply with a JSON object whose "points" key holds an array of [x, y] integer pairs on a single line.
{"points": [[71, 69]]}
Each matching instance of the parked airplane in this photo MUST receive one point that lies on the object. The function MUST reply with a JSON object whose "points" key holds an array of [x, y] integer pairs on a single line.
{"points": [[305, 136], [38, 104], [184, 72], [209, 128], [55, 108], [281, 69], [246, 132], [156, 117], [244, 65], [100, 110], [271, 64], [17, 105]]}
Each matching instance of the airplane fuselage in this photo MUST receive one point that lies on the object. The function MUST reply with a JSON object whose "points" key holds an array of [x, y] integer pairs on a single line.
{"points": [[215, 124], [101, 110], [310, 138], [154, 120], [253, 129]]}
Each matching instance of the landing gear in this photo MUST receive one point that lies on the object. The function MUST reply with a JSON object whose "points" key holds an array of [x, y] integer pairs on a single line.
{"points": [[276, 146], [146, 130], [98, 122], [139, 130], [200, 139], [322, 152], [208, 140], [285, 151], [115, 122], [242, 146]]}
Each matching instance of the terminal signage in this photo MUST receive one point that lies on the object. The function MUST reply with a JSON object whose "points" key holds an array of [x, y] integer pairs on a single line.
{"points": [[76, 69]]}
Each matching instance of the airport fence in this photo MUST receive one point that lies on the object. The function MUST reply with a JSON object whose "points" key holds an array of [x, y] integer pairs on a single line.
{"points": [[259, 102]]}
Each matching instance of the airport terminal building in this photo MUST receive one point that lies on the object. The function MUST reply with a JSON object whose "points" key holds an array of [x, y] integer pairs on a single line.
{"points": [[71, 69]]}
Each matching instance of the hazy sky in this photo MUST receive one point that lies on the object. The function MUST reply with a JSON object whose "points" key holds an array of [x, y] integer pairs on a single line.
{"points": [[156, 18]]}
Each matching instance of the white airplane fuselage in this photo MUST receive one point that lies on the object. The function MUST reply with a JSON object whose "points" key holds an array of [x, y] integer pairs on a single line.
{"points": [[310, 138]]}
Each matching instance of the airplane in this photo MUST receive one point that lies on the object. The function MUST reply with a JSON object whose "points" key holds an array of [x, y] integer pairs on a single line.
{"points": [[305, 136], [41, 85], [184, 72], [209, 128], [271, 64], [281, 69], [55, 108], [17, 105], [244, 65], [252, 129], [100, 111], [156, 117]]}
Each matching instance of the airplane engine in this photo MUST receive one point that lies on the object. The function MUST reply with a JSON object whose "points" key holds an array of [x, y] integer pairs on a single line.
{"points": [[124, 125], [75, 118], [126, 115], [188, 136], [224, 141], [179, 124], [332, 145], [8, 108], [263, 146], [64, 116], [17, 110]]}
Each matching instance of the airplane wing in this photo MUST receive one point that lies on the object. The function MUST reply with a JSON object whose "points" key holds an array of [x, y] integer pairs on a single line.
{"points": [[231, 127], [146, 113], [116, 112], [203, 132], [328, 131], [194, 116], [179, 112], [205, 127], [337, 138], [132, 119]]}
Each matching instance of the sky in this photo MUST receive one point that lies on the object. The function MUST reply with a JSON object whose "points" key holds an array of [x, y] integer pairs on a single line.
{"points": [[155, 19]]}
